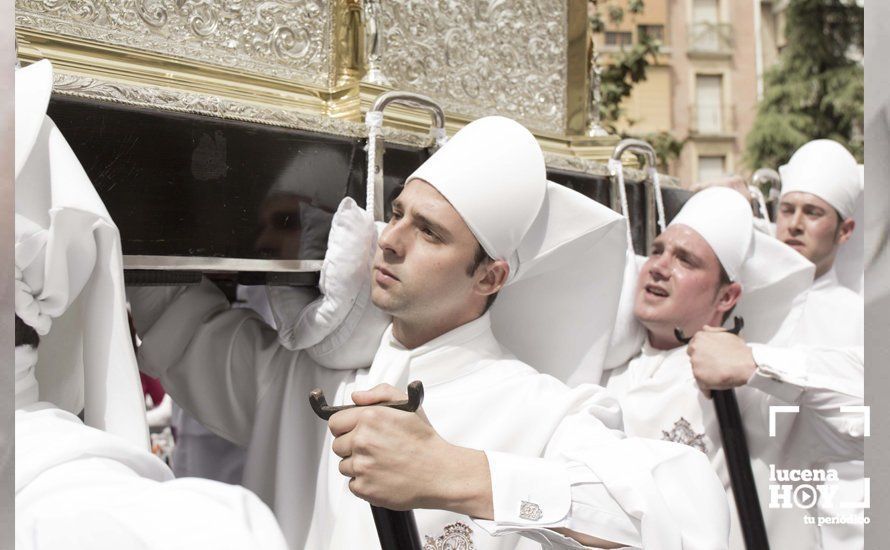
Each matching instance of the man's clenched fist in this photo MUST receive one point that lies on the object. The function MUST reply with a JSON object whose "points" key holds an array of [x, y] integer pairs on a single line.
{"points": [[720, 360], [395, 459]]}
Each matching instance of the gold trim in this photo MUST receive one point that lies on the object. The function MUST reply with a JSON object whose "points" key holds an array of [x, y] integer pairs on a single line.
{"points": [[172, 99], [135, 69], [577, 104]]}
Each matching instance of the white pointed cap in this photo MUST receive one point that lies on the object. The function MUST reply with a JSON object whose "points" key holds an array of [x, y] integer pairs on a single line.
{"points": [[724, 219], [492, 172], [774, 278], [826, 169]]}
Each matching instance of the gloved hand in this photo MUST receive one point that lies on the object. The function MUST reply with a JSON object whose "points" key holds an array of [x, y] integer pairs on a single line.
{"points": [[345, 287]]}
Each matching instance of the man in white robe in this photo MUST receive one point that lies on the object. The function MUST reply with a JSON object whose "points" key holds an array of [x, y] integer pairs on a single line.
{"points": [[91, 483], [709, 263], [820, 200], [518, 455]]}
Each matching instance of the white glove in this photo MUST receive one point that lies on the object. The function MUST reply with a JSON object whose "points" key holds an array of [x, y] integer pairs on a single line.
{"points": [[345, 287]]}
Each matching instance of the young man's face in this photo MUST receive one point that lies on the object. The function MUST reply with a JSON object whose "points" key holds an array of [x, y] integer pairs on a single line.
{"points": [[811, 226], [679, 285], [420, 269]]}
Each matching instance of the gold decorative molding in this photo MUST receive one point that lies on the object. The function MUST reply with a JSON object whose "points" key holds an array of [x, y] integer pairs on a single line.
{"points": [[171, 99], [298, 63]]}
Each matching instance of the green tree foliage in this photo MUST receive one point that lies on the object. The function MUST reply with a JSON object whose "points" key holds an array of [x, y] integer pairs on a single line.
{"points": [[625, 69], [816, 90]]}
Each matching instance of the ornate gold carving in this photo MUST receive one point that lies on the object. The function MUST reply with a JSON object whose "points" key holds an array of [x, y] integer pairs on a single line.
{"points": [[281, 38], [479, 58]]}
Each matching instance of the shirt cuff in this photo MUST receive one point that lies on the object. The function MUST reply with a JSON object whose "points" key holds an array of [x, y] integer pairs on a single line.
{"points": [[528, 491], [778, 372], [532, 496]]}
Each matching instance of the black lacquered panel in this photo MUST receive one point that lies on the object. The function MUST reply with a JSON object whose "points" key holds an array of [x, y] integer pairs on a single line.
{"points": [[595, 187], [674, 199], [188, 185]]}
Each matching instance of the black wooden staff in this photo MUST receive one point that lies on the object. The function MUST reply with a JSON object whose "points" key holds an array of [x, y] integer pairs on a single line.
{"points": [[738, 459], [396, 530]]}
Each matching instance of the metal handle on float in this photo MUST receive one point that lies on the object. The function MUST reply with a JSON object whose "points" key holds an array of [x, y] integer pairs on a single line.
{"points": [[772, 180], [761, 201], [653, 198], [377, 147]]}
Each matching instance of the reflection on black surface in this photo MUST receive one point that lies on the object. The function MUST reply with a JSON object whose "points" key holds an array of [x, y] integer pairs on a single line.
{"points": [[188, 185]]}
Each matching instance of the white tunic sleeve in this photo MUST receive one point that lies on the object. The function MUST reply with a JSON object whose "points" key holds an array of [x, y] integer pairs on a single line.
{"points": [[215, 361], [592, 480], [823, 382]]}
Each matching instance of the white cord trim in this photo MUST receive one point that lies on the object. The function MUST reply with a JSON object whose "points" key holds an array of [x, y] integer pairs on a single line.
{"points": [[439, 136], [659, 201], [374, 122], [616, 169]]}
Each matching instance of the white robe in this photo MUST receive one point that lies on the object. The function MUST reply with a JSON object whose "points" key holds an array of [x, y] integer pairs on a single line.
{"points": [[660, 399], [546, 444], [77, 487], [834, 316]]}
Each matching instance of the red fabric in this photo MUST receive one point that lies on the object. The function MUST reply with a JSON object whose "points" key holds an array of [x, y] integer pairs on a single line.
{"points": [[152, 387]]}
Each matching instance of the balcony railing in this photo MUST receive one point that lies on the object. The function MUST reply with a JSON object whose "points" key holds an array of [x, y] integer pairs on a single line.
{"points": [[711, 38], [705, 120]]}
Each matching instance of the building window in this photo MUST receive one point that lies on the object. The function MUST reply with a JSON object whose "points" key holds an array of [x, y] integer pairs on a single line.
{"points": [[655, 32], [711, 167], [616, 38], [705, 11], [708, 116], [709, 34]]}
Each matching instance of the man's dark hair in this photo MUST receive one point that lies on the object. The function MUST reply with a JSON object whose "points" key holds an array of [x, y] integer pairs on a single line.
{"points": [[25, 335], [480, 258]]}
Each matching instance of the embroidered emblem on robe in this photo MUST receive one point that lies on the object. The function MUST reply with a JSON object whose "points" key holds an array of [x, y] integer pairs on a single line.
{"points": [[682, 432], [530, 511], [457, 537]]}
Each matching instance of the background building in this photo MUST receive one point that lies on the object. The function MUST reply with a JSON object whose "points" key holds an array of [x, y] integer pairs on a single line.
{"points": [[708, 78]]}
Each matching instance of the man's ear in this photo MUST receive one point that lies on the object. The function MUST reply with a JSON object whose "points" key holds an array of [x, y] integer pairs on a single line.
{"points": [[729, 297], [845, 231], [494, 277]]}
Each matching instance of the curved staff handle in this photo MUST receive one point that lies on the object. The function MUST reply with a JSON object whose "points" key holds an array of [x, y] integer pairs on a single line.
{"points": [[738, 460], [325, 411], [397, 530], [738, 325]]}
